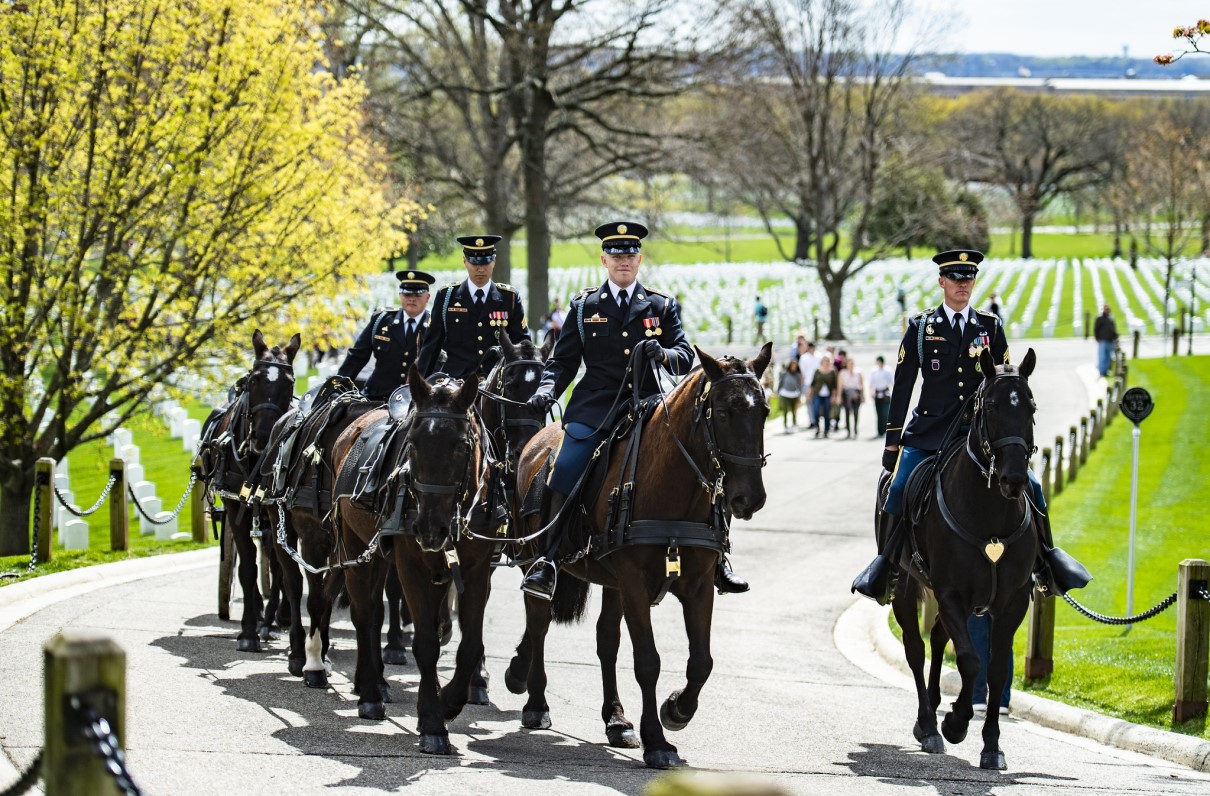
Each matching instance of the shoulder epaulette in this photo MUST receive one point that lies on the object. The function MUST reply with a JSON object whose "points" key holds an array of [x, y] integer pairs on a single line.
{"points": [[452, 284], [656, 292], [585, 293], [988, 314], [386, 309], [922, 314], [503, 286]]}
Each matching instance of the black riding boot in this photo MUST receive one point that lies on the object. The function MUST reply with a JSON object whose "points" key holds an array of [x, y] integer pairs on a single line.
{"points": [[878, 580], [1056, 572], [540, 582], [726, 581]]}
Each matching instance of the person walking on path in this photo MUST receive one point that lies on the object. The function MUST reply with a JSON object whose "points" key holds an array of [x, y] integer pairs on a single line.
{"points": [[824, 392], [789, 392], [1106, 333], [808, 363], [852, 393], [881, 381], [762, 315]]}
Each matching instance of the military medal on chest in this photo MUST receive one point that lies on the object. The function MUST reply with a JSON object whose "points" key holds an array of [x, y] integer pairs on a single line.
{"points": [[498, 318], [652, 327]]}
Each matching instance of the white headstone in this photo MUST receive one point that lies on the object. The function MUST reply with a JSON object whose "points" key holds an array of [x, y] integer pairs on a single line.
{"points": [[164, 533], [61, 467], [130, 454], [191, 442], [61, 515], [62, 482], [176, 416], [74, 534], [121, 438], [190, 428], [313, 382], [142, 489], [164, 407], [134, 473], [152, 507], [181, 536]]}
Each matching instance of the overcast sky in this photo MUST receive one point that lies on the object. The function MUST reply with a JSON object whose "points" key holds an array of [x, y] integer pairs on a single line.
{"points": [[1067, 27]]}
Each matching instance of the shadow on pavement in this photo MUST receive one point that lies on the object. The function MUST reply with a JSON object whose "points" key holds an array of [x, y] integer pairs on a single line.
{"points": [[907, 768], [324, 723]]}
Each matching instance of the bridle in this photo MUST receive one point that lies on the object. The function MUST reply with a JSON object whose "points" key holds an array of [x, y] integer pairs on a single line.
{"points": [[463, 488], [266, 406], [988, 447], [499, 434]]}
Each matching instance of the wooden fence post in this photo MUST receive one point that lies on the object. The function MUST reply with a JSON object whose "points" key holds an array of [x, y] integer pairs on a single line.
{"points": [[197, 511], [1040, 641], [90, 666], [1083, 441], [1073, 443], [119, 507], [1192, 640], [1111, 406], [44, 483], [1058, 485], [1046, 475], [1096, 416], [1087, 324], [1136, 344]]}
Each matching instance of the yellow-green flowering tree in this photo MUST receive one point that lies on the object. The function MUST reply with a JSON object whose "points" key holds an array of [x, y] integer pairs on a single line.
{"points": [[175, 172]]}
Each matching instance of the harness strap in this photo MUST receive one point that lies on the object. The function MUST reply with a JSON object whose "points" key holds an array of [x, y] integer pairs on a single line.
{"points": [[967, 536]]}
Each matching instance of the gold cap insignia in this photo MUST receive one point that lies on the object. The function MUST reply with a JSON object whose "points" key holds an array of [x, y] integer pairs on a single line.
{"points": [[411, 275], [479, 242], [621, 229], [962, 256]]}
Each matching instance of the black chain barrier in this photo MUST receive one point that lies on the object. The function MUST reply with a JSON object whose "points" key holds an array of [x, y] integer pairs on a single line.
{"points": [[106, 746], [1203, 594], [1122, 620], [175, 512], [95, 506], [28, 778]]}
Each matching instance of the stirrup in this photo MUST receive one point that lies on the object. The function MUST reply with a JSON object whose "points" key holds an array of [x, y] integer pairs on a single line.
{"points": [[534, 570]]}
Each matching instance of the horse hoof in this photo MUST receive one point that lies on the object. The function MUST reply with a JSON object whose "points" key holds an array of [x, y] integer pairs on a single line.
{"points": [[535, 719], [622, 736], [478, 696], [385, 690], [932, 744], [266, 632], [952, 734], [395, 657], [224, 614], [663, 758], [436, 745], [315, 679], [296, 666], [247, 645], [515, 685], [993, 761], [670, 717], [373, 711]]}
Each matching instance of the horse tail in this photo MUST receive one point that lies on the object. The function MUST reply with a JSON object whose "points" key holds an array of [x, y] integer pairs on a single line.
{"points": [[570, 600]]}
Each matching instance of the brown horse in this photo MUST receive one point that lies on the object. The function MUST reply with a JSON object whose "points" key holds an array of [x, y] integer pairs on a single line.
{"points": [[703, 447], [233, 441], [976, 547]]}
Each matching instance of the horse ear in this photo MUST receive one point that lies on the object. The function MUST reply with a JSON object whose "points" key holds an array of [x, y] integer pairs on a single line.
{"points": [[710, 365], [987, 364], [762, 359], [1027, 365], [293, 346], [548, 345], [467, 393], [258, 344], [506, 344], [421, 389]]}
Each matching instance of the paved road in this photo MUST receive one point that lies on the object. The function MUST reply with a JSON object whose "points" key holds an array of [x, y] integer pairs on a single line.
{"points": [[783, 703]]}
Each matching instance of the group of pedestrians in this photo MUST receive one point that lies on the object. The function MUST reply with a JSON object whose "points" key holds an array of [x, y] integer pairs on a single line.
{"points": [[831, 386]]}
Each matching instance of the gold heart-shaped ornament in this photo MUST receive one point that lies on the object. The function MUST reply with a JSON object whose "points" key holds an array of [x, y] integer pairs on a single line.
{"points": [[993, 550]]}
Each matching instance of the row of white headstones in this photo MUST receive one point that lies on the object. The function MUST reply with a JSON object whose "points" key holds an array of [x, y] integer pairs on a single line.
{"points": [[73, 530]]}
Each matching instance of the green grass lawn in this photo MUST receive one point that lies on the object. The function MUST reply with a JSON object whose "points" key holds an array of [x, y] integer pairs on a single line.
{"points": [[1081, 244], [1108, 669]]}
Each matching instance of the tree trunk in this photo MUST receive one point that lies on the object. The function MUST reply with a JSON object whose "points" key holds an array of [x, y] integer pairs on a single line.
{"points": [[802, 240], [835, 291], [1167, 294], [537, 229], [1117, 240], [496, 215], [1206, 234], [15, 514], [503, 272], [1027, 235]]}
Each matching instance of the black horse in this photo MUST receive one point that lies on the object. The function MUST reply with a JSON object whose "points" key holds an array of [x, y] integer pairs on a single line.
{"points": [[975, 547], [697, 463], [233, 441]]}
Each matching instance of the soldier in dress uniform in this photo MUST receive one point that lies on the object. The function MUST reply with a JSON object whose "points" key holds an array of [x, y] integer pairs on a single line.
{"points": [[605, 323], [392, 337], [942, 346], [467, 316]]}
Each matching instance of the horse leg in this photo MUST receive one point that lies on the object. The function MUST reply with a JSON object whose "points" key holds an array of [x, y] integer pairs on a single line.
{"points": [[904, 606], [314, 670], [939, 639], [536, 713], [395, 653], [618, 728], [1003, 628], [471, 604], [249, 583], [480, 677], [274, 601], [518, 668], [423, 600], [636, 607], [698, 609], [292, 586], [445, 616], [951, 613], [364, 585], [277, 579]]}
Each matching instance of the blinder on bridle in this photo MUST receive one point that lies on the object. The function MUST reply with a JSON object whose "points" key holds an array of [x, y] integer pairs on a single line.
{"points": [[988, 446], [499, 435], [462, 488]]}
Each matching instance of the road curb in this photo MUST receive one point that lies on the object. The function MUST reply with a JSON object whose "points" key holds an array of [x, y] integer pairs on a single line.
{"points": [[864, 621]]}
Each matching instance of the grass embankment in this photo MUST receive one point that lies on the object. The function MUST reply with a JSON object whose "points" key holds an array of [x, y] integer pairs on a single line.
{"points": [[1119, 672]]}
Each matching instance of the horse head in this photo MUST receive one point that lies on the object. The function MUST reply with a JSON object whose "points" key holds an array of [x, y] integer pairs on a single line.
{"points": [[515, 378], [269, 386], [735, 412], [443, 454], [1002, 423]]}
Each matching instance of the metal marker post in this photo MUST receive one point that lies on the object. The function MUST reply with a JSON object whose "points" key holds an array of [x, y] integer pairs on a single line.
{"points": [[1137, 405]]}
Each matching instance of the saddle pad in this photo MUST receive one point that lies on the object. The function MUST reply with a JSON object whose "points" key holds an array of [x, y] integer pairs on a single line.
{"points": [[535, 498], [361, 472]]}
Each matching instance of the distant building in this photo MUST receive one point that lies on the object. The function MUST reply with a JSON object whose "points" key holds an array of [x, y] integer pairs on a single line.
{"points": [[1187, 87]]}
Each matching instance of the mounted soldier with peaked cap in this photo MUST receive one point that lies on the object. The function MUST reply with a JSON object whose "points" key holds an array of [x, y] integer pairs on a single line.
{"points": [[604, 325], [467, 316], [392, 337], [942, 346]]}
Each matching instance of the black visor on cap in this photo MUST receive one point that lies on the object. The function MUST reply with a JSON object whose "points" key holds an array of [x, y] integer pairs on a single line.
{"points": [[621, 247], [960, 272], [481, 259]]}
